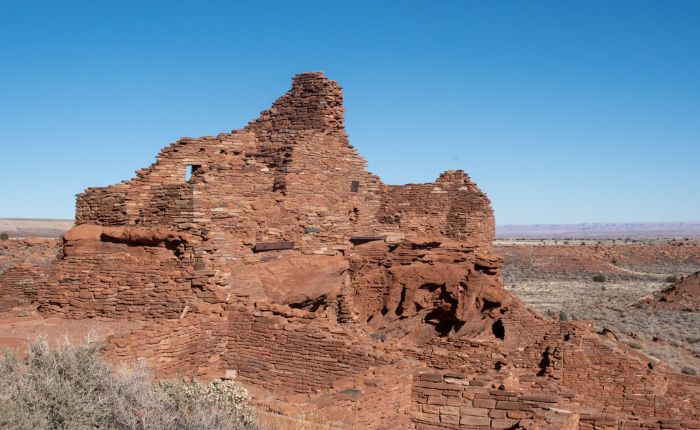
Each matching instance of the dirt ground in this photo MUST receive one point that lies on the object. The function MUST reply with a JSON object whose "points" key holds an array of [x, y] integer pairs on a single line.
{"points": [[557, 279]]}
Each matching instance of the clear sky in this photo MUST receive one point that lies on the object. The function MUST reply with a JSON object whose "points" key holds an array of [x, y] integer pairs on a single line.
{"points": [[561, 111]]}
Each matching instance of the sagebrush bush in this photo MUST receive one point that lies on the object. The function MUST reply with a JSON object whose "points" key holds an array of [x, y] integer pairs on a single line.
{"points": [[4, 236], [672, 279], [689, 370], [194, 398], [71, 388], [599, 278]]}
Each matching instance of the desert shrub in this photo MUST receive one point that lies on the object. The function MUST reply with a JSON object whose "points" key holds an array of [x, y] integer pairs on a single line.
{"points": [[196, 399], [672, 279], [689, 370], [562, 316], [599, 278], [64, 387], [4, 236]]}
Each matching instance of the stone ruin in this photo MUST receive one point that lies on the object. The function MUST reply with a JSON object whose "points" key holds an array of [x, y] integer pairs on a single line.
{"points": [[272, 254]]}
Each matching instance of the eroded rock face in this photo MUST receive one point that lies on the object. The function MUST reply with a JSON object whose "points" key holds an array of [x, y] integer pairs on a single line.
{"points": [[420, 289], [280, 257]]}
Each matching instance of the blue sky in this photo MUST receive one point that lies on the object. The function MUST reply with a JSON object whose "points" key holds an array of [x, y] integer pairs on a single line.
{"points": [[561, 111]]}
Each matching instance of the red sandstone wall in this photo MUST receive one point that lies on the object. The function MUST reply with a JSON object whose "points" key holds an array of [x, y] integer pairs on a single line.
{"points": [[313, 103], [286, 177], [628, 383], [296, 354], [19, 286], [606, 383], [283, 353], [452, 206], [124, 273], [290, 175], [453, 400], [186, 347]]}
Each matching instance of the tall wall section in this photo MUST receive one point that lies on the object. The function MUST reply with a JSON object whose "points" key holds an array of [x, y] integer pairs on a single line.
{"points": [[451, 207], [289, 177]]}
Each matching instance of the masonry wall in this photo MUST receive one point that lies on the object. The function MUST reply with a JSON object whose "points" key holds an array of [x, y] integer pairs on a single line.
{"points": [[124, 273], [286, 353], [283, 353], [290, 175], [191, 346], [452, 206], [453, 400], [19, 286], [607, 384], [629, 383]]}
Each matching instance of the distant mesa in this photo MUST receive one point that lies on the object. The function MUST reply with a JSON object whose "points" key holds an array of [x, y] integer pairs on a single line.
{"points": [[34, 227], [648, 230]]}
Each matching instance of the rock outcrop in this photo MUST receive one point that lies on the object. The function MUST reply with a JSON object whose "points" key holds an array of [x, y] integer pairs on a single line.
{"points": [[683, 295], [272, 252]]}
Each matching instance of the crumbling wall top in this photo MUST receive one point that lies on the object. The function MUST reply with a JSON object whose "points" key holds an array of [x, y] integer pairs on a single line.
{"points": [[313, 103]]}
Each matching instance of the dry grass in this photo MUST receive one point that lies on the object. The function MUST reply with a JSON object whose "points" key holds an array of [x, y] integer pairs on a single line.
{"points": [[278, 415], [306, 421]]}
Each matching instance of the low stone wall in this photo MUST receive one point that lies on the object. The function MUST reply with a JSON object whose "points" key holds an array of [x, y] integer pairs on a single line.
{"points": [[448, 400], [274, 351], [19, 285], [296, 354], [186, 347]]}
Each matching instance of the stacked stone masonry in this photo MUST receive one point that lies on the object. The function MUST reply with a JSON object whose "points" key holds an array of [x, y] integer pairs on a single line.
{"points": [[272, 253], [19, 285]]}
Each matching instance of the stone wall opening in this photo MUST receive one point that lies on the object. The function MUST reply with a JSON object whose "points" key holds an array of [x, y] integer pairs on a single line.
{"points": [[498, 330], [191, 170]]}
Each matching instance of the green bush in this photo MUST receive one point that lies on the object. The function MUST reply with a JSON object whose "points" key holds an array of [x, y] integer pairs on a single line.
{"points": [[4, 236], [64, 387], [599, 278], [672, 279]]}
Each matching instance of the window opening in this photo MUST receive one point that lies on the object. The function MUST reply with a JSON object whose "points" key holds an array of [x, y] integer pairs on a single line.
{"points": [[190, 171]]}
